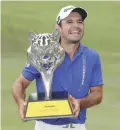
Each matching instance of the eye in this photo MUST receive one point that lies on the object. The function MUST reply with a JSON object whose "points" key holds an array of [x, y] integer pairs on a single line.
{"points": [[80, 21], [69, 21]]}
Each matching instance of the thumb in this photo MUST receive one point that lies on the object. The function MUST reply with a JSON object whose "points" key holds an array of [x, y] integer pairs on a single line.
{"points": [[25, 103], [22, 110], [71, 98]]}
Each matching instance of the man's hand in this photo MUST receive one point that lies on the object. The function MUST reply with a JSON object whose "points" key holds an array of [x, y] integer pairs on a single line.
{"points": [[18, 91], [21, 108], [76, 105]]}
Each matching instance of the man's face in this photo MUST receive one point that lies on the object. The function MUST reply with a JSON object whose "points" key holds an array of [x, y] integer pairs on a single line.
{"points": [[72, 28]]}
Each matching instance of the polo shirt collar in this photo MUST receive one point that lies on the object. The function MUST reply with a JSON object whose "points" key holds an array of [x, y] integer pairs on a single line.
{"points": [[80, 48]]}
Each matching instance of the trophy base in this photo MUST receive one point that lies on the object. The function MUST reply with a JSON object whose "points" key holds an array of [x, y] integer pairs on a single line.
{"points": [[57, 107]]}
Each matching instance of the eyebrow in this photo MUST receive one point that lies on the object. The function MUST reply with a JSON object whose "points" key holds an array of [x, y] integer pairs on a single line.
{"points": [[80, 19]]}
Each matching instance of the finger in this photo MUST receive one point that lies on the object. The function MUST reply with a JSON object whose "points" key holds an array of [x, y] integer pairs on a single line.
{"points": [[25, 103], [71, 98], [22, 110], [22, 114], [76, 113], [74, 109]]}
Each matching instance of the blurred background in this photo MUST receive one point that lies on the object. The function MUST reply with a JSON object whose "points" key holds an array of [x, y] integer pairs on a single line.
{"points": [[102, 33]]}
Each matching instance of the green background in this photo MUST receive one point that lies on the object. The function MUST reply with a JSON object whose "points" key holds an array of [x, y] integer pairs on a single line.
{"points": [[102, 33]]}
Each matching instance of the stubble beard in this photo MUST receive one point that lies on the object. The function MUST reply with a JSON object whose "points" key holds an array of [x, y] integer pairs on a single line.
{"points": [[76, 41], [70, 41]]}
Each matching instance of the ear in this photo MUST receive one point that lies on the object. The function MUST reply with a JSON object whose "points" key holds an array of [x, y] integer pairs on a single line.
{"points": [[31, 35], [58, 27], [56, 35]]}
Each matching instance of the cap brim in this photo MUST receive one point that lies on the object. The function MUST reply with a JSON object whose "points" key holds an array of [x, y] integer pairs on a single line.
{"points": [[81, 11]]}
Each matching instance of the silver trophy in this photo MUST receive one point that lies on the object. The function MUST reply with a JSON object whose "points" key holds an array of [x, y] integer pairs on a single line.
{"points": [[46, 54]]}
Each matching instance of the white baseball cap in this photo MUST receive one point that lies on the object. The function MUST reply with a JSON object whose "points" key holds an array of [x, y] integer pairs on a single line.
{"points": [[65, 11]]}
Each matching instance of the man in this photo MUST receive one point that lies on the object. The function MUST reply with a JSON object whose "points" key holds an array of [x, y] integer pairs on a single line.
{"points": [[80, 74]]}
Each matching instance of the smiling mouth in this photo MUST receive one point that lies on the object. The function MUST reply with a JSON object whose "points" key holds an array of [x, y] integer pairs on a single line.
{"points": [[75, 33]]}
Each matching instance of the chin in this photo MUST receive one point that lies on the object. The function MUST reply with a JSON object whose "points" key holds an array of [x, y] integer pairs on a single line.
{"points": [[74, 41]]}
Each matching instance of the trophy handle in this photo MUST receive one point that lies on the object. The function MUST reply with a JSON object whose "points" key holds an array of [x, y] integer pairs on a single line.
{"points": [[47, 82], [56, 34]]}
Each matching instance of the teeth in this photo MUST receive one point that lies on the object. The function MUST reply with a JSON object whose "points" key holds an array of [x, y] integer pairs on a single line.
{"points": [[75, 32]]}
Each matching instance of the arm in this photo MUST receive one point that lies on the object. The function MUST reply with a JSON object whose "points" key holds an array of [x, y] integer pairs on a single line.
{"points": [[95, 92], [18, 91], [93, 98], [29, 73], [96, 87]]}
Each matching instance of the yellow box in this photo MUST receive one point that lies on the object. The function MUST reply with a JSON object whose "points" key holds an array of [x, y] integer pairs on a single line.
{"points": [[45, 109]]}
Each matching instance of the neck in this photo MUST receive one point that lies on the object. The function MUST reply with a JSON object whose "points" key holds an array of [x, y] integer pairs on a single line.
{"points": [[70, 48]]}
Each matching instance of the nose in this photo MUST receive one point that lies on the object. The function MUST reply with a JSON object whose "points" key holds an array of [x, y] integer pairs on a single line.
{"points": [[76, 24]]}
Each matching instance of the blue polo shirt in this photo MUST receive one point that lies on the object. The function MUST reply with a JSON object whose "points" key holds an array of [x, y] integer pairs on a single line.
{"points": [[76, 76]]}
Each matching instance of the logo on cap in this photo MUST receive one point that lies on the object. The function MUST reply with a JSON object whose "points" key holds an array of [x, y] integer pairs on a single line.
{"points": [[65, 10], [58, 19]]}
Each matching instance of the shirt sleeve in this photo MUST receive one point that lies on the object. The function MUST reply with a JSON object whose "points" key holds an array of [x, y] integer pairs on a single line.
{"points": [[29, 72], [97, 79]]}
